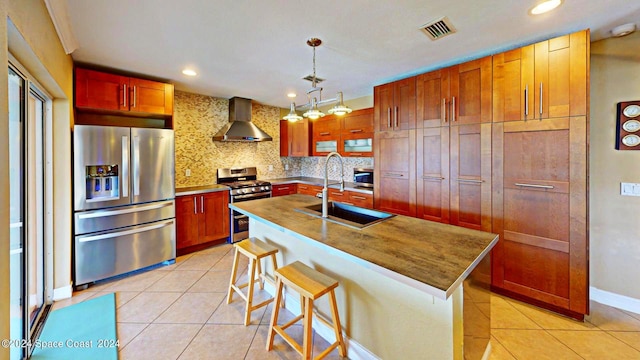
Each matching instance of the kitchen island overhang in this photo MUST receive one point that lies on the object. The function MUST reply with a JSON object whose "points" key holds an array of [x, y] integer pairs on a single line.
{"points": [[408, 285]]}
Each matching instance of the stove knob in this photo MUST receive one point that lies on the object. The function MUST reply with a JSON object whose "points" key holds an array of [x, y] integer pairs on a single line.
{"points": [[244, 191]]}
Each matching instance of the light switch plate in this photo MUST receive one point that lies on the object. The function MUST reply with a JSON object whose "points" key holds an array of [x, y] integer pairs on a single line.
{"points": [[630, 189]]}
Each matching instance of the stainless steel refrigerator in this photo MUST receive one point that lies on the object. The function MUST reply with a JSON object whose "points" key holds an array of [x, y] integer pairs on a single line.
{"points": [[124, 210]]}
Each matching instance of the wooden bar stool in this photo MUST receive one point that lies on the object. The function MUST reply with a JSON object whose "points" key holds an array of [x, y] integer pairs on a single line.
{"points": [[310, 284], [255, 250]]}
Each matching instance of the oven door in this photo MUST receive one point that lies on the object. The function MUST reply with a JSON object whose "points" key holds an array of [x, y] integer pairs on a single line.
{"points": [[240, 222]]}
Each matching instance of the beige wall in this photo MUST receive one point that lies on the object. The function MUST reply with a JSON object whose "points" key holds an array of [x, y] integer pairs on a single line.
{"points": [[36, 46], [614, 219]]}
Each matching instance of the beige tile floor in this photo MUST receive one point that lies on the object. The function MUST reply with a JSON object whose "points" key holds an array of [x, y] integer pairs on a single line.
{"points": [[180, 312]]}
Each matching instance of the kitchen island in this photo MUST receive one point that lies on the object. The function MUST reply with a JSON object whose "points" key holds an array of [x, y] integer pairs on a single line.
{"points": [[409, 288]]}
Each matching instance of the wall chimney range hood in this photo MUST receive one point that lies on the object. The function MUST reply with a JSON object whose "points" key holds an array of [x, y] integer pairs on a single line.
{"points": [[240, 127]]}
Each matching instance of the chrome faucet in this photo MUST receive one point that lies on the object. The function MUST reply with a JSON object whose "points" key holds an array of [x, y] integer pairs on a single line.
{"points": [[325, 189]]}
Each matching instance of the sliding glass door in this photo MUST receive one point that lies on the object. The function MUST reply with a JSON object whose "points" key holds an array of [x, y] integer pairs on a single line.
{"points": [[30, 254]]}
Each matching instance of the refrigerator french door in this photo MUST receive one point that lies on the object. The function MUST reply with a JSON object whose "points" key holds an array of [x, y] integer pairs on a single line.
{"points": [[124, 211]]}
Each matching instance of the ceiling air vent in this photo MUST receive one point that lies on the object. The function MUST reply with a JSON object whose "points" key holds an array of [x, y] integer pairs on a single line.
{"points": [[438, 29]]}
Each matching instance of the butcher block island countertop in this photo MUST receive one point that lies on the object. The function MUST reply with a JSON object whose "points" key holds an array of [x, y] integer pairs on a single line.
{"points": [[427, 253], [401, 280]]}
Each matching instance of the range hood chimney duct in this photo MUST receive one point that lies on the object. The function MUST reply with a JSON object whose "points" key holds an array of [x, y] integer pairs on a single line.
{"points": [[240, 127]]}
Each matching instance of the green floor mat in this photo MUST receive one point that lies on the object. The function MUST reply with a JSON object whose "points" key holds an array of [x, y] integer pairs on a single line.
{"points": [[86, 330]]}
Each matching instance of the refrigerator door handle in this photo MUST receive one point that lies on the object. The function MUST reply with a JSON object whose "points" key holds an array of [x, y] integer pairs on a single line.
{"points": [[125, 232], [135, 149], [105, 213], [125, 166]]}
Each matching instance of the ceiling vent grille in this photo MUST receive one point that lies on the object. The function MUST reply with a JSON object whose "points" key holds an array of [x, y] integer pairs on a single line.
{"points": [[438, 29]]}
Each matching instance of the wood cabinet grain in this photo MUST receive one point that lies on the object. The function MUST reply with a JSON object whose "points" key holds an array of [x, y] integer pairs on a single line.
{"points": [[201, 219], [395, 105]]}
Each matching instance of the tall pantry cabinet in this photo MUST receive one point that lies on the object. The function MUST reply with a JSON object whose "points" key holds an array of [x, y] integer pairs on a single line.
{"points": [[539, 170]]}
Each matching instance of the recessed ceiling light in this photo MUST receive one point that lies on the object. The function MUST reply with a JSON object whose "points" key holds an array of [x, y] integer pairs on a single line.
{"points": [[189, 72], [545, 6], [291, 95]]}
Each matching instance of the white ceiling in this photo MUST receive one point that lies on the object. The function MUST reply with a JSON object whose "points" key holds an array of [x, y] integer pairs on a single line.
{"points": [[257, 49]]}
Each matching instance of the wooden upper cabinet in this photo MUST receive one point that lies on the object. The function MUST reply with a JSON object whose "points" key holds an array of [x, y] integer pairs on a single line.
{"points": [[460, 94], [151, 96], [543, 80], [100, 90], [295, 138], [325, 135], [359, 121], [106, 92], [395, 105]]}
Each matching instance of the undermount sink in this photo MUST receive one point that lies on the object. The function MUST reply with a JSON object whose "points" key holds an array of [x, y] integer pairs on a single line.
{"points": [[347, 215]]}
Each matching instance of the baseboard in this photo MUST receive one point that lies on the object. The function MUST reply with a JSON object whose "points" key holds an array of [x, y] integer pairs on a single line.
{"points": [[62, 293], [616, 300], [355, 351]]}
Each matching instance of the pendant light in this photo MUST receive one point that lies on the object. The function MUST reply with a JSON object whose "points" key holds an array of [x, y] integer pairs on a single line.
{"points": [[292, 115], [313, 102]]}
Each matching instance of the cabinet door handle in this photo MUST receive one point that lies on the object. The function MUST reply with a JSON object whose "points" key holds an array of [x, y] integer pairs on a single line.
{"points": [[355, 131], [540, 101], [472, 181], [124, 95], [443, 112], [426, 177], [396, 117], [324, 133], [195, 205], [358, 197], [202, 204], [393, 175], [453, 108], [135, 97], [536, 186], [526, 101], [389, 118]]}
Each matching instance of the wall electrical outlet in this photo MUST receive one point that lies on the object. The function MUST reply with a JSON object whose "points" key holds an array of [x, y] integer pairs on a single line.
{"points": [[630, 189], [270, 167], [286, 166], [187, 172]]}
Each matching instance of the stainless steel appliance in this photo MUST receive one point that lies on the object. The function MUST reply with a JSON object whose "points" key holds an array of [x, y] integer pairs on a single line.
{"points": [[363, 177], [244, 187], [124, 212]]}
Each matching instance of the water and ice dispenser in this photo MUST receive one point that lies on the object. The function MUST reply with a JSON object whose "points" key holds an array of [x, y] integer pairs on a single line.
{"points": [[102, 182]]}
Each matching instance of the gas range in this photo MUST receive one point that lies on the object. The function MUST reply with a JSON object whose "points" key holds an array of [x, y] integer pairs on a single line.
{"points": [[243, 183], [244, 187]]}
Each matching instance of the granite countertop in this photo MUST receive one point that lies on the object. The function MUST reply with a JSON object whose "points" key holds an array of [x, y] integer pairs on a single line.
{"points": [[192, 190], [430, 256], [319, 182]]}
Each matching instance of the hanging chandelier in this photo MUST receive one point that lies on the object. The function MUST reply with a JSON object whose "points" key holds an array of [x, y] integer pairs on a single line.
{"points": [[314, 101]]}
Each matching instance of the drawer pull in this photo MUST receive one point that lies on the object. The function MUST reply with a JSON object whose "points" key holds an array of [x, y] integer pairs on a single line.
{"points": [[535, 186], [472, 181], [358, 197], [355, 131], [337, 194], [393, 175], [325, 133], [284, 188], [425, 177], [355, 154]]}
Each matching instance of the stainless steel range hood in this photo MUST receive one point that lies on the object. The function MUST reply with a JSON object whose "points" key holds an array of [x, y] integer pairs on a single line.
{"points": [[240, 127]]}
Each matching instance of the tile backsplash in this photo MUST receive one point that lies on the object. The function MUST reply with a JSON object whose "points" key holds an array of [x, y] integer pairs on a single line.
{"points": [[198, 117]]}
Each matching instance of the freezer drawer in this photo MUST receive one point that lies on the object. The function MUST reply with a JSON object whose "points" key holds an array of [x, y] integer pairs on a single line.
{"points": [[102, 255], [106, 219]]}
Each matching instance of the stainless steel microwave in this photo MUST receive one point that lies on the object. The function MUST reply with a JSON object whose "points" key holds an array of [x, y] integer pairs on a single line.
{"points": [[363, 177]]}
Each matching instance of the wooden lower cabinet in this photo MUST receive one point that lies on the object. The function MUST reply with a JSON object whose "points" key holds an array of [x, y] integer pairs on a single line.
{"points": [[539, 211], [470, 169], [201, 220], [284, 189], [432, 152], [395, 172], [306, 189], [352, 198]]}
